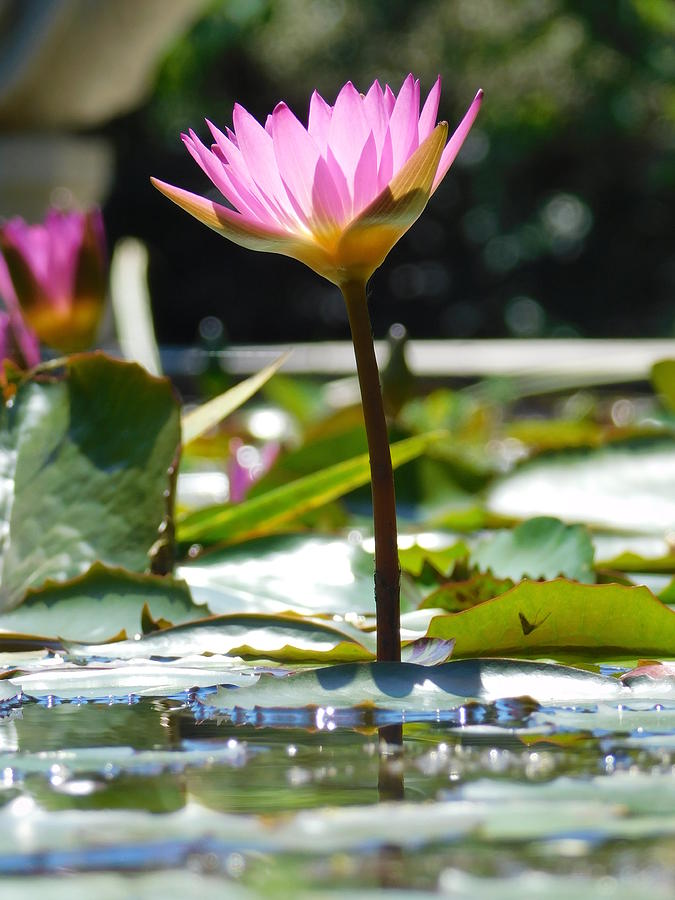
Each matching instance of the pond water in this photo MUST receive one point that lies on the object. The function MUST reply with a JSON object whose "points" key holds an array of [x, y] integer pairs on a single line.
{"points": [[170, 797]]}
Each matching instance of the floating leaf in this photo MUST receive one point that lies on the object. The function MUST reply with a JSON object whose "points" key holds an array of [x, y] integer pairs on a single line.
{"points": [[540, 885], [458, 595], [563, 620], [144, 679], [540, 548], [558, 434], [625, 486], [443, 560], [284, 638], [101, 603], [84, 463], [667, 595], [635, 562], [655, 671], [150, 885], [404, 686], [266, 513], [663, 379], [308, 574]]}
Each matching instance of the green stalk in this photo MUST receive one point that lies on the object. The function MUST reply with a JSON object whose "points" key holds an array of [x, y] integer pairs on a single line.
{"points": [[387, 569]]}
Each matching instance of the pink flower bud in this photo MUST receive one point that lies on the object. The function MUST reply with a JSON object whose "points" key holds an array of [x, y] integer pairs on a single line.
{"points": [[59, 273]]}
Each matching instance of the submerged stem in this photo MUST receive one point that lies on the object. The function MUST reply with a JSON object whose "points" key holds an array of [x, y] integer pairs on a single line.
{"points": [[387, 570]]}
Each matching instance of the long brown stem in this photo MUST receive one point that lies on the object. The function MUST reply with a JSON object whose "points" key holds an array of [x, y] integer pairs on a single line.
{"points": [[387, 570]]}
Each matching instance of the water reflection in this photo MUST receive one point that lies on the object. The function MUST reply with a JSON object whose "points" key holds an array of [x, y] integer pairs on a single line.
{"points": [[391, 787], [390, 781], [273, 800]]}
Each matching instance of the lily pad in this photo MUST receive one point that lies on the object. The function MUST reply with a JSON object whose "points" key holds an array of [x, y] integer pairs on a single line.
{"points": [[285, 638], [635, 562], [305, 573], [663, 379], [405, 686], [100, 604], [443, 559], [627, 486], [543, 547], [563, 620], [144, 679], [84, 472], [456, 596]]}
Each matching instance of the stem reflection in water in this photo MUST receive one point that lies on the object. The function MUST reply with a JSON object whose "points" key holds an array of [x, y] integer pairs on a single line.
{"points": [[390, 788]]}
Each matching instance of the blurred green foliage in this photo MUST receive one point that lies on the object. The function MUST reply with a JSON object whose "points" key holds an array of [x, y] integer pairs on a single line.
{"points": [[557, 218]]}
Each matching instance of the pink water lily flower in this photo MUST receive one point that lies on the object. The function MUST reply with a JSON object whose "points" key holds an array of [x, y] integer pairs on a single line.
{"points": [[59, 273], [336, 195]]}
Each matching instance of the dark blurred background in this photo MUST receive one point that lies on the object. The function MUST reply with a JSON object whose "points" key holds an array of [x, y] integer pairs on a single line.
{"points": [[557, 219]]}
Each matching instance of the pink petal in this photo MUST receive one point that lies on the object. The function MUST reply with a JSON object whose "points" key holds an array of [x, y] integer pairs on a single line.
{"points": [[234, 189], [64, 240], [365, 176], [319, 120], [371, 235], [210, 165], [274, 210], [257, 149], [454, 144], [14, 327], [385, 171], [327, 202], [296, 156], [349, 131], [378, 118], [230, 154], [247, 233], [32, 243], [404, 121], [429, 114], [389, 100], [242, 229], [7, 292], [344, 190]]}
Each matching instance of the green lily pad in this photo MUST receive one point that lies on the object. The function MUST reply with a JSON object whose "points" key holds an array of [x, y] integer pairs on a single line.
{"points": [[459, 595], [543, 547], [563, 620], [625, 486], [84, 472], [635, 562], [111, 886], [404, 686], [100, 604], [304, 573], [144, 679], [285, 638], [443, 560], [543, 885], [663, 379], [308, 574], [667, 595]]}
